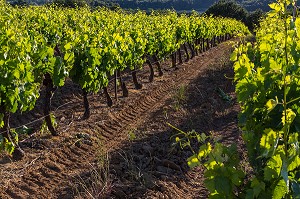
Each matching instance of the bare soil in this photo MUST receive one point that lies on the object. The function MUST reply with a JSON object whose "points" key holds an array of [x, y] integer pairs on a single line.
{"points": [[127, 150]]}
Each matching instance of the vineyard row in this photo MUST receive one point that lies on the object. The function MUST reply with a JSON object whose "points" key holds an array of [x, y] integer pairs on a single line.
{"points": [[43, 46]]}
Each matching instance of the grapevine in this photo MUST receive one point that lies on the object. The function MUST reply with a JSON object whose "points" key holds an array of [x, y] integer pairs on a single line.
{"points": [[267, 77], [267, 87]]}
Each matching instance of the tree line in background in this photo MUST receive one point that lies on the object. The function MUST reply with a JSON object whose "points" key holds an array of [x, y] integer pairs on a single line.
{"points": [[231, 9]]}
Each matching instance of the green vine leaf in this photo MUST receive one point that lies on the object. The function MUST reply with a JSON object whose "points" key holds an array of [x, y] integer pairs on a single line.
{"points": [[223, 185], [268, 141], [193, 161], [279, 190], [271, 104], [257, 187], [288, 117]]}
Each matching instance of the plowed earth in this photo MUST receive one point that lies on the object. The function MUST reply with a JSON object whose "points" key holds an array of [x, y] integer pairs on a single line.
{"points": [[126, 151]]}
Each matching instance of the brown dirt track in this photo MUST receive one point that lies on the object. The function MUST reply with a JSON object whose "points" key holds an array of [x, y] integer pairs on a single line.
{"points": [[147, 166]]}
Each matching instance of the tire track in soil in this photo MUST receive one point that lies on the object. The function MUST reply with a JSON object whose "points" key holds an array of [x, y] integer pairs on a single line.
{"points": [[132, 112], [51, 180]]}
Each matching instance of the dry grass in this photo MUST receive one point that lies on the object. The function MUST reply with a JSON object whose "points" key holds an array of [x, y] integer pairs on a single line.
{"points": [[97, 182]]}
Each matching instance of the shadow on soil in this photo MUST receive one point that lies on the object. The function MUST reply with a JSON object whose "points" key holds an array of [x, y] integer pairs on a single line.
{"points": [[150, 166]]}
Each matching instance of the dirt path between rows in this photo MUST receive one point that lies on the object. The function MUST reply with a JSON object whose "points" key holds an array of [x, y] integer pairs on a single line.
{"points": [[127, 151]]}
